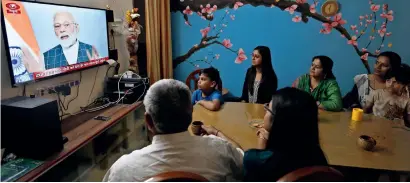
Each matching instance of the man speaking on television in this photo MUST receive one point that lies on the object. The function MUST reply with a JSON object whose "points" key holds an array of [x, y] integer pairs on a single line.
{"points": [[70, 50]]}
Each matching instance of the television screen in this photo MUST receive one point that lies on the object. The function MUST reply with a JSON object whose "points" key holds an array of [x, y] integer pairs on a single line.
{"points": [[45, 40]]}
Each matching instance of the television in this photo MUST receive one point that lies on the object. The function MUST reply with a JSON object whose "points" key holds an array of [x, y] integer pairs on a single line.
{"points": [[45, 40]]}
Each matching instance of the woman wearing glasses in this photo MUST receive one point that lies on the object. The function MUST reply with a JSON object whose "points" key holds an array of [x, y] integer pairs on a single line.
{"points": [[321, 84], [288, 140], [260, 80]]}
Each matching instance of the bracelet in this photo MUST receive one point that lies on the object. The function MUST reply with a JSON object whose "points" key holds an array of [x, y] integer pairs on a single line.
{"points": [[217, 131]]}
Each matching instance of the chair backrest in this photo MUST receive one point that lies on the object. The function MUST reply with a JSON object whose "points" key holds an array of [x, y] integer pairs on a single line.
{"points": [[313, 174], [177, 176], [194, 76]]}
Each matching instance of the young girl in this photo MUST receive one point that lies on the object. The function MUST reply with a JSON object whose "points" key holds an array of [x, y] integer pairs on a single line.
{"points": [[390, 102], [261, 80]]}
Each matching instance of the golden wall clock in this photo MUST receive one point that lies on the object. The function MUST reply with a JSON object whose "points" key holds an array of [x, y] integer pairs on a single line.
{"points": [[330, 8]]}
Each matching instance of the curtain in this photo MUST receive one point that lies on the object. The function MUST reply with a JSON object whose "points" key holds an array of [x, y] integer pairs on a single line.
{"points": [[158, 36]]}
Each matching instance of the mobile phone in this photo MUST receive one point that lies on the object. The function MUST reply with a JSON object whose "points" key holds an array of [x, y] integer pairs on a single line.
{"points": [[102, 118]]}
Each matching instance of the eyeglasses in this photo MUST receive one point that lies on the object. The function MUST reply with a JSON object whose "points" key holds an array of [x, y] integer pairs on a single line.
{"points": [[65, 25], [266, 106]]}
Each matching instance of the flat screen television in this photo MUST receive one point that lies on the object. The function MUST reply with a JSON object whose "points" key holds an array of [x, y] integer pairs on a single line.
{"points": [[45, 40]]}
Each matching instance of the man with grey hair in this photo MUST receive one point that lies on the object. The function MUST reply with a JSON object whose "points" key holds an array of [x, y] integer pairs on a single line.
{"points": [[168, 115]]}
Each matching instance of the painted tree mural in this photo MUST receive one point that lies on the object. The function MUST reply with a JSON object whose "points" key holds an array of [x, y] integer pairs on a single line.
{"points": [[368, 26]]}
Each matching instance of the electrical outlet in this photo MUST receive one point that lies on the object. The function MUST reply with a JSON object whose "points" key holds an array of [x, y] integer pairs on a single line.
{"points": [[52, 89]]}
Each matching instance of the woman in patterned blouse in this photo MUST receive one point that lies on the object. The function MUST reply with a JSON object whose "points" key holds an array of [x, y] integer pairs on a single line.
{"points": [[260, 81]]}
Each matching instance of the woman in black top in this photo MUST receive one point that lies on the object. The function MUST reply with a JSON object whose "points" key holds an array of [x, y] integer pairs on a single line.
{"points": [[289, 139], [260, 81]]}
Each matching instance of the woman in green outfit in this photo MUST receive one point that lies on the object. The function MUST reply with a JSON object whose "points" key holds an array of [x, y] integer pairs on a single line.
{"points": [[321, 84]]}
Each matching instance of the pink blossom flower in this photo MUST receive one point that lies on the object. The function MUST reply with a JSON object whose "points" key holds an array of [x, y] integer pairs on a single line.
{"points": [[369, 21], [366, 16], [208, 9], [337, 20], [237, 5], [241, 56], [205, 31], [187, 11], [217, 56], [199, 13], [204, 42], [361, 17], [364, 49], [233, 17], [312, 8], [291, 9], [375, 7], [327, 28], [357, 31], [365, 56], [353, 41], [382, 31], [301, 1], [227, 43], [372, 37], [214, 8], [353, 27], [377, 52], [389, 15], [388, 34], [296, 18], [342, 35]]}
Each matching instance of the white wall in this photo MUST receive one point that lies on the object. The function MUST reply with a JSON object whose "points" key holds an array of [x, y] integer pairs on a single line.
{"points": [[87, 76]]}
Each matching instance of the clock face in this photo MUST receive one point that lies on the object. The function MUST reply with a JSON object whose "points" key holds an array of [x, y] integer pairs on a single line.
{"points": [[330, 8]]}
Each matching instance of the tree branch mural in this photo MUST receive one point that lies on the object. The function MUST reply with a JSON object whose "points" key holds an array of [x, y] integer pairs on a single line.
{"points": [[301, 11]]}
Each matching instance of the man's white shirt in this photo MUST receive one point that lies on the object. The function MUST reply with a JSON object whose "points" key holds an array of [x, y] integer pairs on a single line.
{"points": [[209, 156]]}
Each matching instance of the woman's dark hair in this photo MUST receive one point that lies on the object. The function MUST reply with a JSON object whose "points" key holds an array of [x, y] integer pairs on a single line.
{"points": [[294, 122], [268, 74], [395, 62], [327, 65], [403, 74], [213, 75]]}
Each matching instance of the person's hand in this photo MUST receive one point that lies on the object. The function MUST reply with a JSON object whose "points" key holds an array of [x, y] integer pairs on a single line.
{"points": [[200, 102], [209, 130], [30, 61], [93, 55], [262, 133]]}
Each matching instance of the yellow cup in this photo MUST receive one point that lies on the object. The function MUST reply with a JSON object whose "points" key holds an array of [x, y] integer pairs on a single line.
{"points": [[357, 114]]}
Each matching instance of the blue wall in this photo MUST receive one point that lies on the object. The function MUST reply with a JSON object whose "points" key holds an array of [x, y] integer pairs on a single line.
{"points": [[292, 44]]}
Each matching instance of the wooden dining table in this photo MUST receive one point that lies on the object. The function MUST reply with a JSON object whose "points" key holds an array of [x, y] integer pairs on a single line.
{"points": [[338, 135]]}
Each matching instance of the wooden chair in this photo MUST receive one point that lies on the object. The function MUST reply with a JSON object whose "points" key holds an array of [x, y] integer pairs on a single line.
{"points": [[194, 76], [177, 176], [313, 174]]}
